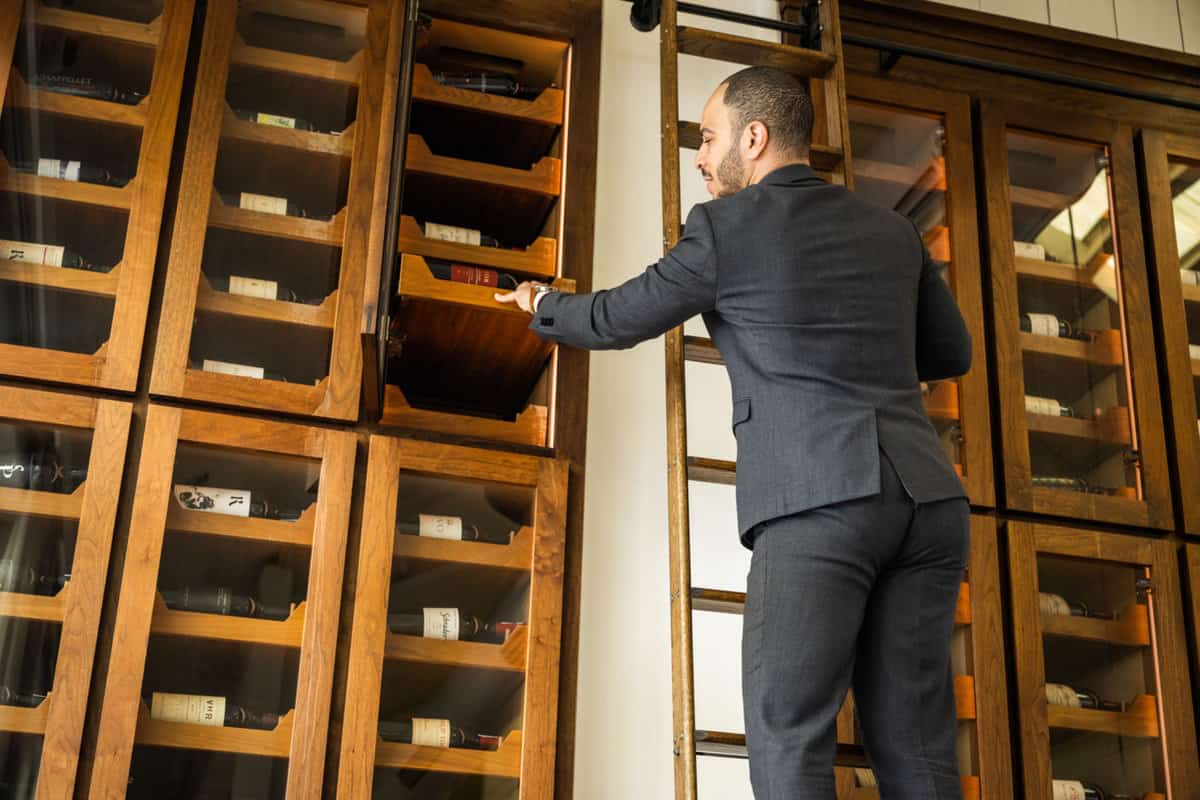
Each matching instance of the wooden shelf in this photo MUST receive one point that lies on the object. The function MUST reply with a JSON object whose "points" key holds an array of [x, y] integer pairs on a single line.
{"points": [[937, 242], [16, 719], [299, 532], [711, 470], [723, 601], [82, 24], [215, 387], [196, 625], [733, 745], [1112, 428], [46, 102], [504, 762], [1037, 198], [1139, 721], [71, 191], [15, 605], [279, 225], [79, 281], [545, 109], [822, 157], [530, 427], [515, 556], [942, 401], [753, 52], [309, 142], [187, 736], [1103, 350], [344, 72], [962, 611], [544, 178], [964, 696], [930, 178], [322, 316], [701, 350], [539, 259], [42, 504], [1101, 276], [1191, 294], [506, 657], [1132, 629], [418, 281]]}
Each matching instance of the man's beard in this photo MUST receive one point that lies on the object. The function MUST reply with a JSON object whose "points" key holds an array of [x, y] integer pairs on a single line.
{"points": [[731, 174]]}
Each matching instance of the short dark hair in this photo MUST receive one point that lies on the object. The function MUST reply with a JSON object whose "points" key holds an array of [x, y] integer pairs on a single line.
{"points": [[777, 99]]}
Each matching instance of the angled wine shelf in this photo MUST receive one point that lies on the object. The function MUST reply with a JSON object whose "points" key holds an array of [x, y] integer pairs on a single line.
{"points": [[148, 35], [236, 305], [505, 762], [508, 657], [281, 226], [267, 468], [1140, 720], [308, 142], [16, 605], [21, 95], [538, 260], [546, 109], [31, 721], [84, 194]]}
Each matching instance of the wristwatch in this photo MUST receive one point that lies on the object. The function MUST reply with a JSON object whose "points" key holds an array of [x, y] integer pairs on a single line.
{"points": [[539, 289]]}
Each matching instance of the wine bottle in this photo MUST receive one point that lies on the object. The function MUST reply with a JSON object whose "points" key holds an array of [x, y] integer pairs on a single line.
{"points": [[1050, 325], [1060, 694], [84, 86], [233, 368], [1081, 790], [265, 204], [221, 600], [1031, 250], [47, 255], [1047, 406], [435, 733], [234, 502], [461, 273], [1190, 277], [274, 120], [1057, 605], [15, 577], [486, 83], [12, 697], [67, 170], [258, 287], [40, 471], [449, 624], [1194, 351], [452, 233], [202, 709], [450, 527]]}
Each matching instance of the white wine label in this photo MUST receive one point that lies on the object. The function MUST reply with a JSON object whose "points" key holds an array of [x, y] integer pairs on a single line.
{"points": [[1194, 351], [437, 527], [1054, 604], [275, 120], [442, 623], [1190, 277], [431, 732], [253, 287], [1029, 250], [53, 168], [1041, 405], [450, 233], [48, 255], [198, 709], [1069, 790], [230, 368], [234, 502], [1059, 694], [263, 202], [1043, 324]]}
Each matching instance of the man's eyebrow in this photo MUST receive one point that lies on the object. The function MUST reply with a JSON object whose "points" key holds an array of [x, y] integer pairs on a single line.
{"points": [[706, 130]]}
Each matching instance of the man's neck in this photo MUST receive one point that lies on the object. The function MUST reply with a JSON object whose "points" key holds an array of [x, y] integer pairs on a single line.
{"points": [[763, 169]]}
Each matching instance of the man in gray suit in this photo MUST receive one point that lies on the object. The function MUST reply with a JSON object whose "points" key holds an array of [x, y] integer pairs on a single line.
{"points": [[828, 312]]}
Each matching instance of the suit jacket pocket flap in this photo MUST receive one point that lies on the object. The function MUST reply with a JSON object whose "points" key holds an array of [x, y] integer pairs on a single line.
{"points": [[741, 411]]}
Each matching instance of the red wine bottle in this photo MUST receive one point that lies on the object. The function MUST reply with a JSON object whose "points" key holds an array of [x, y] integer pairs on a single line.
{"points": [[449, 527], [214, 710], [233, 502], [221, 600], [266, 204], [47, 255], [16, 577], [1050, 325], [13, 697], [435, 733], [84, 86], [486, 83], [461, 273], [259, 287], [274, 120], [67, 170]]}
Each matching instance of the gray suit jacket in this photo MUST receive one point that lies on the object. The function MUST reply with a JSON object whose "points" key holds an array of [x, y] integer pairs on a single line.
{"points": [[827, 311]]}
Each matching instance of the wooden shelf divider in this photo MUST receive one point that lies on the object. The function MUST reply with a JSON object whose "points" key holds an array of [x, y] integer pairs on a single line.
{"points": [[506, 657], [20, 95], [234, 305], [195, 625], [279, 225], [546, 108], [31, 721], [1111, 428], [243, 741], [518, 555], [1140, 720], [300, 532], [88, 194], [539, 259], [1131, 629], [310, 142], [544, 178], [504, 762], [42, 504], [83, 24], [34, 606], [1103, 350], [323, 69]]}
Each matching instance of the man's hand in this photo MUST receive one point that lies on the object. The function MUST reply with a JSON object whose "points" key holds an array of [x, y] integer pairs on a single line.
{"points": [[522, 296]]}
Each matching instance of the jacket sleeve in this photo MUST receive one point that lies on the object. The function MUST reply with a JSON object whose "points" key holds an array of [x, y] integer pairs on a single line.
{"points": [[943, 342], [682, 284]]}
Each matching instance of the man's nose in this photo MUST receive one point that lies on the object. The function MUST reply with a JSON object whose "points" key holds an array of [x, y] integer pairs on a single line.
{"points": [[697, 163]]}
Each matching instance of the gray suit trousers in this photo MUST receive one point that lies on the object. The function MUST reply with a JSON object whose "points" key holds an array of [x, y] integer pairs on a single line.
{"points": [[858, 593]]}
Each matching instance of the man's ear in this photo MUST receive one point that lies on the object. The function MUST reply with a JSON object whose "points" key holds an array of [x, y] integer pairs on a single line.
{"points": [[756, 139]]}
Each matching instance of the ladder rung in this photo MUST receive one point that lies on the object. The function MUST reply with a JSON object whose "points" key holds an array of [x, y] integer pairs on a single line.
{"points": [[822, 157], [701, 349], [718, 600], [711, 470], [733, 745], [754, 52]]}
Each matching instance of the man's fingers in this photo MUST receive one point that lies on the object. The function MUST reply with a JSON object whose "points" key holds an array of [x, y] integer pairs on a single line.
{"points": [[505, 297]]}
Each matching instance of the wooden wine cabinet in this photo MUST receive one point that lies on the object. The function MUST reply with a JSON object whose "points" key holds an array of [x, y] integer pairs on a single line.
{"points": [[912, 154], [298, 565], [1136, 658], [511, 684], [288, 341], [66, 325], [1063, 190], [38, 529]]}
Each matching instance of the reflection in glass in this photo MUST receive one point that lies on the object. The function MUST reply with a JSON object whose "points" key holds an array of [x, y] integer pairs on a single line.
{"points": [[1185, 202]]}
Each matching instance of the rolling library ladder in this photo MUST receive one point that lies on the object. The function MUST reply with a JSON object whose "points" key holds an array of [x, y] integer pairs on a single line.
{"points": [[812, 49]]}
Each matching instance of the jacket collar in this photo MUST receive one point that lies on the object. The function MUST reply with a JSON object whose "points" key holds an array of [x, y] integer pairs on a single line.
{"points": [[793, 175]]}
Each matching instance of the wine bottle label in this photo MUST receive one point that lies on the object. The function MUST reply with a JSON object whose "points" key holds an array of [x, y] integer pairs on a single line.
{"points": [[1043, 324], [1029, 250], [1041, 405], [442, 623], [431, 732], [229, 368], [1190, 277], [450, 233], [253, 287], [1054, 604], [53, 168], [1194, 351], [263, 202], [477, 275], [48, 255], [275, 120], [438, 527], [1069, 790], [234, 502], [1059, 694], [198, 709]]}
